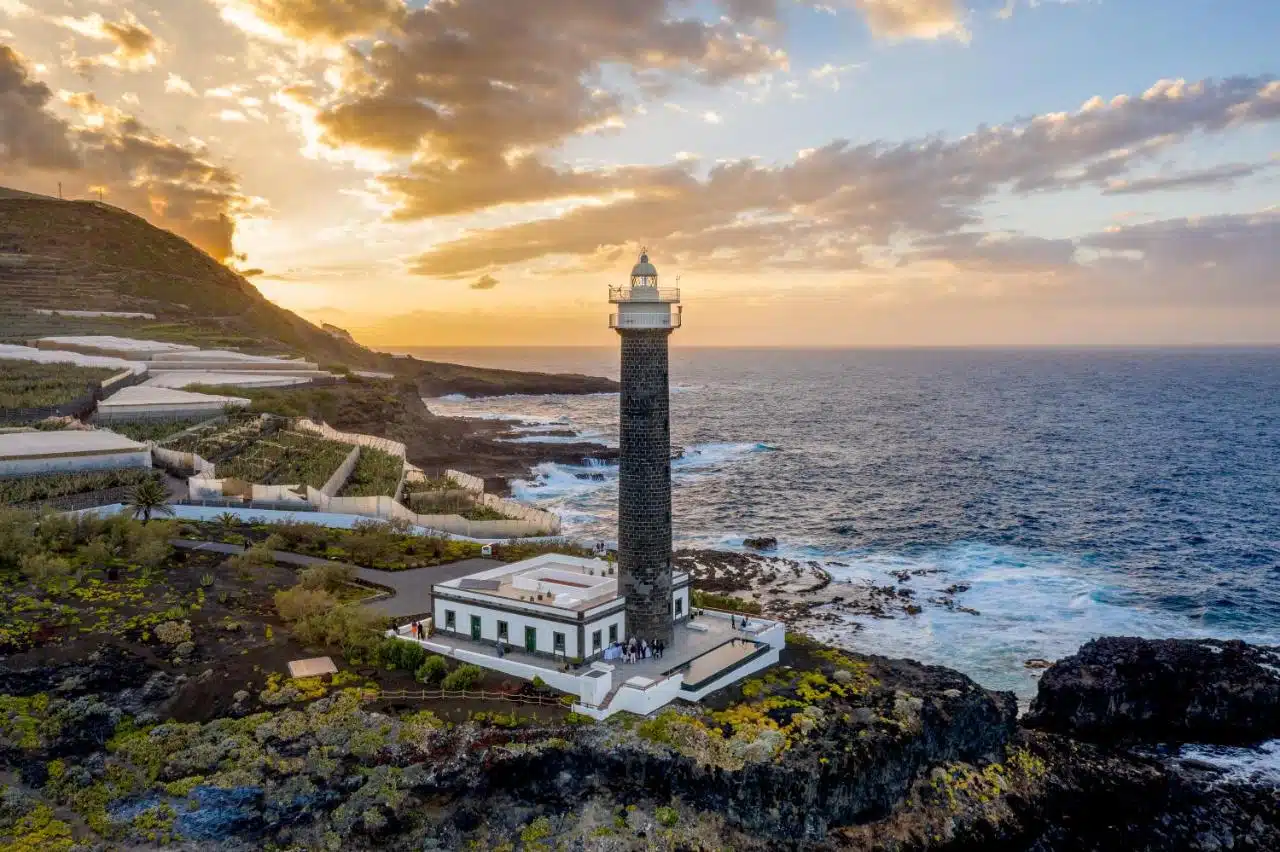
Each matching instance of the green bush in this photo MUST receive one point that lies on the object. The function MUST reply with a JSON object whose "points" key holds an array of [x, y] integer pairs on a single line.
{"points": [[433, 670], [330, 576], [401, 654], [463, 677], [299, 603], [667, 816]]}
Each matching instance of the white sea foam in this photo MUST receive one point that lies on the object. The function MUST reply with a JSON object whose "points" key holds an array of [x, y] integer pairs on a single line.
{"points": [[1259, 765]]}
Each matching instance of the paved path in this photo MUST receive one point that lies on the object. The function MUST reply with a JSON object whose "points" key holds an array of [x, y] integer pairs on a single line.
{"points": [[411, 589]]}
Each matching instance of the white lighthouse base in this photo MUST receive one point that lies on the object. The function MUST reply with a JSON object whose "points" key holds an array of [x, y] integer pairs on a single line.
{"points": [[707, 653]]}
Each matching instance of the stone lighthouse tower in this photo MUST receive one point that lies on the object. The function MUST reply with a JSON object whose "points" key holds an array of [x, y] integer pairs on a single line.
{"points": [[645, 319]]}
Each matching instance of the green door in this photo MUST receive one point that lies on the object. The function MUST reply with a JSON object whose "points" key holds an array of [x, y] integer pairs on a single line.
{"points": [[475, 627], [531, 639]]}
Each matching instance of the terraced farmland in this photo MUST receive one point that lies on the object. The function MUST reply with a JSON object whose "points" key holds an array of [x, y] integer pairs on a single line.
{"points": [[17, 490], [29, 384], [286, 458], [376, 473]]}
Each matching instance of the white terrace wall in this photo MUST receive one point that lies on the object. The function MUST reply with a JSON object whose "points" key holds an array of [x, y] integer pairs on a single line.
{"points": [[340, 476], [174, 460], [325, 431], [510, 508], [466, 480]]}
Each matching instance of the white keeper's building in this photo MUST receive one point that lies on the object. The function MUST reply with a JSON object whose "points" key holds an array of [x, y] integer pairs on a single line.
{"points": [[559, 606]]}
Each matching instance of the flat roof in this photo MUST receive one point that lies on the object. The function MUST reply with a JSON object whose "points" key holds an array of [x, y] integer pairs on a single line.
{"points": [[274, 378], [65, 443], [568, 583], [220, 355], [119, 344], [54, 356], [151, 395]]}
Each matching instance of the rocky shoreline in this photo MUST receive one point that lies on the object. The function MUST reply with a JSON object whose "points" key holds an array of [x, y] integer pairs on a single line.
{"points": [[875, 754], [806, 596]]}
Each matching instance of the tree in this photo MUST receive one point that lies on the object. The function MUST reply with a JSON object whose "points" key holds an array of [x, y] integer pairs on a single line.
{"points": [[229, 520], [146, 497]]}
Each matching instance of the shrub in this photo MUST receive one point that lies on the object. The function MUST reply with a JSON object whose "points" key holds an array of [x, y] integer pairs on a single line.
{"points": [[667, 816], [400, 654], [329, 576], [354, 629], [44, 567], [433, 670], [174, 633], [251, 561], [463, 677], [299, 602]]}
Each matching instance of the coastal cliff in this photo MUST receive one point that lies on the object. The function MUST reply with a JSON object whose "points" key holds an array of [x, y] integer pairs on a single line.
{"points": [[829, 751]]}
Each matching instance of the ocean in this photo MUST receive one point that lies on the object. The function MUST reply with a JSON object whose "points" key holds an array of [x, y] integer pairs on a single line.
{"points": [[1077, 492]]}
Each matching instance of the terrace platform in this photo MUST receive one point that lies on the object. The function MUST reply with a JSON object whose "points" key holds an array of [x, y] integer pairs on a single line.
{"points": [[706, 654]]}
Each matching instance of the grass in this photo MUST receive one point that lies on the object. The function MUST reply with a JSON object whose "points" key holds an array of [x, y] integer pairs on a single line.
{"points": [[30, 489], [29, 384], [376, 473]]}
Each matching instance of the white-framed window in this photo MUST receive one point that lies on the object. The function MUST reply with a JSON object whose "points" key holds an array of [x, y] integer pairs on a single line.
{"points": [[450, 620], [595, 641], [557, 642], [502, 630]]}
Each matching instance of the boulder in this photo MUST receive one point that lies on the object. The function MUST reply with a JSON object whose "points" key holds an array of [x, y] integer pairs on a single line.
{"points": [[764, 542], [1162, 690]]}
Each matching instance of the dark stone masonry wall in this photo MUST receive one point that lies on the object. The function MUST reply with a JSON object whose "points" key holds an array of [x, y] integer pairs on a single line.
{"points": [[644, 487]]}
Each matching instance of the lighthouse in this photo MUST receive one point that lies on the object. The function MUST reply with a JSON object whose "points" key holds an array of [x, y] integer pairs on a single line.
{"points": [[646, 316]]}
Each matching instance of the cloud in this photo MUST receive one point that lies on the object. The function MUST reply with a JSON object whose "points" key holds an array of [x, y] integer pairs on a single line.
{"points": [[484, 282], [178, 86], [320, 21], [1224, 175], [1227, 258], [826, 208], [474, 80], [30, 135], [135, 45], [174, 186], [712, 117], [903, 19], [829, 75]]}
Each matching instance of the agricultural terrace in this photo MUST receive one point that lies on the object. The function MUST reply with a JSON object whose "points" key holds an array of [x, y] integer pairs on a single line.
{"points": [[450, 500], [376, 473], [262, 451], [287, 458], [220, 440], [151, 430], [18, 490], [29, 384]]}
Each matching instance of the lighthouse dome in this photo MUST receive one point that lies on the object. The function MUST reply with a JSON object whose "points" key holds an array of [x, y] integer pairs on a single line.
{"points": [[644, 268]]}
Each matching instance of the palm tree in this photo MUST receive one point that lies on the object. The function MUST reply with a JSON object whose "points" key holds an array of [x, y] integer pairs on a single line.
{"points": [[228, 520], [149, 496]]}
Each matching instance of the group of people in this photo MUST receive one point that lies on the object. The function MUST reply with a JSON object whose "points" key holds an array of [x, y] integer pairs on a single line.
{"points": [[634, 650], [416, 630]]}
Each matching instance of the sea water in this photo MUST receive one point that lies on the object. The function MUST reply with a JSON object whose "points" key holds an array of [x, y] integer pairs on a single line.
{"points": [[1078, 493]]}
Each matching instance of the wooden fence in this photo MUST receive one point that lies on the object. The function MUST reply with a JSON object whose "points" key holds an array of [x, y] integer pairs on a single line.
{"points": [[439, 694]]}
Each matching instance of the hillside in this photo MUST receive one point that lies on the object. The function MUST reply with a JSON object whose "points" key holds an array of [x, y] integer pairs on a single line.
{"points": [[85, 255], [90, 256]]}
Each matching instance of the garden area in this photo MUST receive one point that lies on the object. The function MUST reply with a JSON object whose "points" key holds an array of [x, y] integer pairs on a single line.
{"points": [[376, 473], [30, 384], [388, 546], [52, 487]]}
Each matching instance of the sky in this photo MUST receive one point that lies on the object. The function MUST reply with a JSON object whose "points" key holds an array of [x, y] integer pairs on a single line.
{"points": [[814, 172]]}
